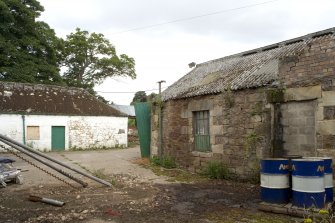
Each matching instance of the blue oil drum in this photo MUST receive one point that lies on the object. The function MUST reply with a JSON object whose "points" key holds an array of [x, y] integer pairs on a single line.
{"points": [[328, 177], [308, 183], [328, 180], [275, 186]]}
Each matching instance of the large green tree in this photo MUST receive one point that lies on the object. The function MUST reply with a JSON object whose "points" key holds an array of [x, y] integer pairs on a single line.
{"points": [[152, 97], [89, 58], [140, 96], [27, 47]]}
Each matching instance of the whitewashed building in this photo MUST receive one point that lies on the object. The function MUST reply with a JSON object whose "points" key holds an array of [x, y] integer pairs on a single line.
{"points": [[53, 118]]}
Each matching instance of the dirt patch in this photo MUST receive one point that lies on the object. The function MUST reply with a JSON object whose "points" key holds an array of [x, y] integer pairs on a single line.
{"points": [[135, 201], [138, 194], [141, 161]]}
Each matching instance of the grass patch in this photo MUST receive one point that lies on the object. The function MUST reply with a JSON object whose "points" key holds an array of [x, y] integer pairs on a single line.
{"points": [[175, 174], [167, 162], [100, 173], [75, 148], [233, 215], [217, 170]]}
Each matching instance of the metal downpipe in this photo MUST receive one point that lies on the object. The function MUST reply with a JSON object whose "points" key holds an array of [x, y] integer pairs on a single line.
{"points": [[23, 129]]}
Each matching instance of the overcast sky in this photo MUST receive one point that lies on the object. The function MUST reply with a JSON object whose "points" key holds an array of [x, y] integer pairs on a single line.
{"points": [[163, 52]]}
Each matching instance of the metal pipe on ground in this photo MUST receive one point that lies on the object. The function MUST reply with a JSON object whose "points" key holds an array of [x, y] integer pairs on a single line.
{"points": [[46, 200], [56, 161], [44, 162]]}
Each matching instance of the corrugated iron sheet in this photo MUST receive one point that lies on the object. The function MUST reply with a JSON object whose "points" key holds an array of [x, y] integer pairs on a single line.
{"points": [[129, 110], [251, 69]]}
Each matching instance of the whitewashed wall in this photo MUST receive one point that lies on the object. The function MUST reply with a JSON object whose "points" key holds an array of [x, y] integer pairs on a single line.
{"points": [[96, 131], [11, 126], [80, 131], [45, 122]]}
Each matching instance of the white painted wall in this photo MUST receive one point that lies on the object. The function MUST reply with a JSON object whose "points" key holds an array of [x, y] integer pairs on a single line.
{"points": [[11, 126], [45, 122], [96, 131], [80, 131]]}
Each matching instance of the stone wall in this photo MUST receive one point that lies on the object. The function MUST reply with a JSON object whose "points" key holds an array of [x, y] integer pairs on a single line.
{"points": [[248, 125], [154, 130], [240, 131], [322, 101], [312, 67], [326, 122]]}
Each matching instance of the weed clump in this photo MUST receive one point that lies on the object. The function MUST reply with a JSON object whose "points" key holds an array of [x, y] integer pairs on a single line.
{"points": [[217, 170], [167, 162]]}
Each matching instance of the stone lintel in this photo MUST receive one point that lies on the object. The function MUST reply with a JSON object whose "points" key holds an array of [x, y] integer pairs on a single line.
{"points": [[302, 93]]}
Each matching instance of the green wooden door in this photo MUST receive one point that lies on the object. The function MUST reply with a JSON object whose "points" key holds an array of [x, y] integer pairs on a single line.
{"points": [[58, 138], [143, 121]]}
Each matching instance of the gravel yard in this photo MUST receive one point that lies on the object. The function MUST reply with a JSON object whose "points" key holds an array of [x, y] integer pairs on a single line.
{"points": [[138, 195]]}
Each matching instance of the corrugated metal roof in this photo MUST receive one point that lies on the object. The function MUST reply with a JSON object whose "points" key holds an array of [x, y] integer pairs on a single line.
{"points": [[51, 100], [129, 110], [250, 69]]}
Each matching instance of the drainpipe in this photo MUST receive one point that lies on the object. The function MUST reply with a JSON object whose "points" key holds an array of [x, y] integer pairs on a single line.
{"points": [[23, 129], [160, 120]]}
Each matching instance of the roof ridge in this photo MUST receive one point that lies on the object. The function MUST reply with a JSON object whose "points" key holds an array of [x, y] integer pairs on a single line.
{"points": [[41, 85], [303, 38], [248, 69]]}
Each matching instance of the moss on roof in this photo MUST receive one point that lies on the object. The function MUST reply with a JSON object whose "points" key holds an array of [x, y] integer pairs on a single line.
{"points": [[51, 100]]}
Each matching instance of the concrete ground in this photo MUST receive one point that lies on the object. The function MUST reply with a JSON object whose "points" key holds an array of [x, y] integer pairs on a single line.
{"points": [[109, 162]]}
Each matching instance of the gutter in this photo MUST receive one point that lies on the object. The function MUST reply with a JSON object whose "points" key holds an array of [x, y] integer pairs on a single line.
{"points": [[23, 129]]}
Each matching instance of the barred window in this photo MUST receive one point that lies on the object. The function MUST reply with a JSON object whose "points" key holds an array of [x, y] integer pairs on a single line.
{"points": [[201, 131]]}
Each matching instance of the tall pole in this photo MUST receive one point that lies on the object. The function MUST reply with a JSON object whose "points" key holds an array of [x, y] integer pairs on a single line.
{"points": [[160, 119]]}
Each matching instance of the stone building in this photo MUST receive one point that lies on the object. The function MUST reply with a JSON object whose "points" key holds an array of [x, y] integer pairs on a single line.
{"points": [[273, 101], [49, 117]]}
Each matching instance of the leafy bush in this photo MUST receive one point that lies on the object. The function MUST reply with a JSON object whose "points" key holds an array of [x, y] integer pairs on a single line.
{"points": [[131, 122], [155, 160], [217, 170], [167, 162]]}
